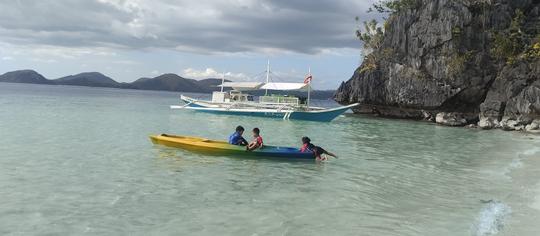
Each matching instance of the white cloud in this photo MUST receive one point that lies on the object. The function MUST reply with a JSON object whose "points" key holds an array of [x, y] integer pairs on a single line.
{"points": [[203, 26], [63, 36], [126, 62], [7, 58], [57, 52], [212, 73], [44, 60]]}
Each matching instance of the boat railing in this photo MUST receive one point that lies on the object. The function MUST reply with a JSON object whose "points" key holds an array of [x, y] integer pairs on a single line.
{"points": [[278, 100], [279, 107], [285, 107], [234, 105]]}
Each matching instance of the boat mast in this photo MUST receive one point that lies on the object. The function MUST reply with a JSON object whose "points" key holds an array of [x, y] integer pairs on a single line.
{"points": [[309, 87], [267, 77], [222, 80]]}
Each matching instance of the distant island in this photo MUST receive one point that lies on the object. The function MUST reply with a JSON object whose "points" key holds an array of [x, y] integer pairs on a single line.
{"points": [[164, 82]]}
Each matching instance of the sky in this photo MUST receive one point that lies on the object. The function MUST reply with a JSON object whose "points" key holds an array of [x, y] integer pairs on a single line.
{"points": [[130, 39]]}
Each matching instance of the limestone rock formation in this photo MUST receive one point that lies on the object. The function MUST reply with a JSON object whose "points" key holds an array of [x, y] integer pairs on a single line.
{"points": [[438, 56]]}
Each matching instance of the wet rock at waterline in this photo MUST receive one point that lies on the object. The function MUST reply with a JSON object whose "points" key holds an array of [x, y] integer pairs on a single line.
{"points": [[450, 119], [533, 127]]}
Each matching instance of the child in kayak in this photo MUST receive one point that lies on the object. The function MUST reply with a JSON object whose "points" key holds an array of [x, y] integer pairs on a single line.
{"points": [[257, 140], [317, 151], [236, 138]]}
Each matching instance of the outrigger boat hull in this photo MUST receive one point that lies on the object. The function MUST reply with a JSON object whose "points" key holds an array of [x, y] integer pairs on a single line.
{"points": [[318, 114], [321, 116], [216, 147]]}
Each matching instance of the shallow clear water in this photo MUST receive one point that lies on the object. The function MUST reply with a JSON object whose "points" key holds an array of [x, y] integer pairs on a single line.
{"points": [[77, 160]]}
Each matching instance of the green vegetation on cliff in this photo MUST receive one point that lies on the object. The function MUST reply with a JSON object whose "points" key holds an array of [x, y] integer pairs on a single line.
{"points": [[509, 43]]}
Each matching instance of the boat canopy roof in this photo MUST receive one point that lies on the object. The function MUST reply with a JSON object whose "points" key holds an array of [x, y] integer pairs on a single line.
{"points": [[242, 86], [285, 86]]}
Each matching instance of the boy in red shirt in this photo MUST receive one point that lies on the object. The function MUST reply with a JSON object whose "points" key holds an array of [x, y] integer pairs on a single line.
{"points": [[257, 140]]}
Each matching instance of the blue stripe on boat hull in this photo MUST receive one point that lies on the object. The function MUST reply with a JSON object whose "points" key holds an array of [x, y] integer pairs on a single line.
{"points": [[326, 116], [298, 115], [246, 113]]}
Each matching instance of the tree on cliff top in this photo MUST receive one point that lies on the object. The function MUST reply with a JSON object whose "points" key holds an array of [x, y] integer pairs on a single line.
{"points": [[372, 36], [393, 6]]}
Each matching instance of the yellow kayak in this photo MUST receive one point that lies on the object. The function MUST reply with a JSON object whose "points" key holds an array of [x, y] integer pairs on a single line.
{"points": [[224, 148]]}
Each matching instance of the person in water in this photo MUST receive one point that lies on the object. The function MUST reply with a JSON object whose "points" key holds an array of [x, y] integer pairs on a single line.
{"points": [[307, 146], [257, 140], [236, 138]]}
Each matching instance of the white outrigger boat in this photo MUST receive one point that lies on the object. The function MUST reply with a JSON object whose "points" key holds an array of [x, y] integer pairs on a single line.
{"points": [[236, 102]]}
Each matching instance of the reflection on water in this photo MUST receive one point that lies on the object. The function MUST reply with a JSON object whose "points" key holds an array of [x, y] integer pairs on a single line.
{"points": [[78, 160]]}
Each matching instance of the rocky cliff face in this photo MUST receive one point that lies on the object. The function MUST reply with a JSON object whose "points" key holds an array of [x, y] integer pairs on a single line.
{"points": [[513, 101], [437, 62]]}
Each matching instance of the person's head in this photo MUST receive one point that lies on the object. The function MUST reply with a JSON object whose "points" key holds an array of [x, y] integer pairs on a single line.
{"points": [[306, 140], [240, 129], [256, 132]]}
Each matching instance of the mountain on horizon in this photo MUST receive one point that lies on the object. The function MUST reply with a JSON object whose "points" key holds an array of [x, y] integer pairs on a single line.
{"points": [[167, 82], [24, 76], [91, 79], [164, 82]]}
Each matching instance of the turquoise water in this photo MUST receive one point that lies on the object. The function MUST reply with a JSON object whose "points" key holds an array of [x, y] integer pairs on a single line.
{"points": [[77, 160]]}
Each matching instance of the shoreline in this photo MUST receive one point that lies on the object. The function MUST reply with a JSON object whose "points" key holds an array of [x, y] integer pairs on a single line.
{"points": [[431, 119]]}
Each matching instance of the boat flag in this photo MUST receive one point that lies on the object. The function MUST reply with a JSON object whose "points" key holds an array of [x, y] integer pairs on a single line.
{"points": [[308, 79]]}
